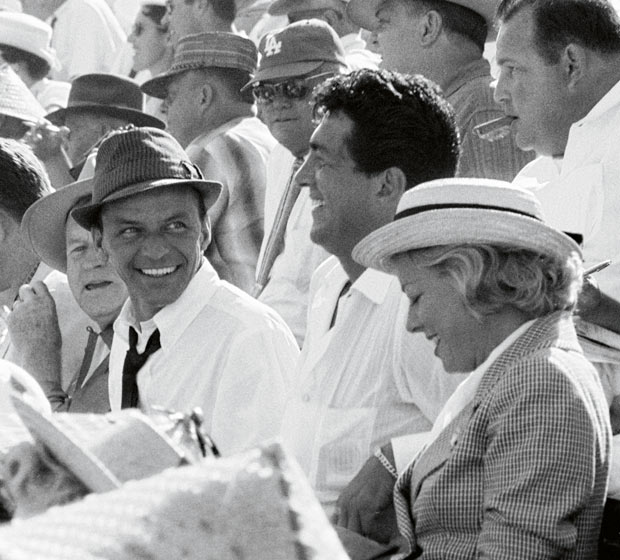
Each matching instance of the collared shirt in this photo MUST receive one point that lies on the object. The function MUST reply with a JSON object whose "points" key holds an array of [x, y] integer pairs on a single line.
{"points": [[220, 350], [289, 284], [471, 95], [406, 448], [235, 154], [356, 54], [71, 320], [360, 382], [86, 36]]}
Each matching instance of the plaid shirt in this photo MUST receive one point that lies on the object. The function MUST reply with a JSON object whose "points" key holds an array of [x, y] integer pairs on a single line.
{"points": [[522, 471]]}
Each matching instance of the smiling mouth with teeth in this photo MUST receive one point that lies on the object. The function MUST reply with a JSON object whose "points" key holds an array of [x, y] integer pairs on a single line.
{"points": [[158, 272]]}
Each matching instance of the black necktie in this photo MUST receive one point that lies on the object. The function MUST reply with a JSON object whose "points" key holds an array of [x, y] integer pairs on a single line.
{"points": [[132, 365]]}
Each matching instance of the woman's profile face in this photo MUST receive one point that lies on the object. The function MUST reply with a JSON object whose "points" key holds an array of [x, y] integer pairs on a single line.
{"points": [[149, 42], [437, 310]]}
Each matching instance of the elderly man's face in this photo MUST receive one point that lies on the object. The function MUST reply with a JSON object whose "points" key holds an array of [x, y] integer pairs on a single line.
{"points": [[85, 129], [155, 240], [94, 283], [531, 89], [183, 106]]}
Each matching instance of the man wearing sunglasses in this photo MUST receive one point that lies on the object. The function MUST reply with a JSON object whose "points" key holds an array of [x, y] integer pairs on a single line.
{"points": [[293, 61]]}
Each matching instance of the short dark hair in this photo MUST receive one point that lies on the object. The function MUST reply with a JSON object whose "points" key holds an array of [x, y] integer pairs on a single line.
{"points": [[458, 19], [398, 121], [24, 179], [224, 9], [593, 24], [37, 67]]}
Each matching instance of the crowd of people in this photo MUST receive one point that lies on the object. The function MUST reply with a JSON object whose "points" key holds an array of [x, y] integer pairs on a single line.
{"points": [[382, 233]]}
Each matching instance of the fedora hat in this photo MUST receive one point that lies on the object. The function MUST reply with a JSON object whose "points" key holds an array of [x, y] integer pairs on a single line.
{"points": [[16, 100], [100, 449], [29, 34], [257, 504], [205, 50], [363, 12], [138, 160], [297, 50], [464, 211], [106, 94]]}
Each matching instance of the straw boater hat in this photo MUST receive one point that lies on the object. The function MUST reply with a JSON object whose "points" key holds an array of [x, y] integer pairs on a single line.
{"points": [[106, 94], [102, 450], [28, 33], [138, 160], [460, 212], [297, 50], [44, 223], [16, 100], [363, 12], [205, 50], [256, 505]]}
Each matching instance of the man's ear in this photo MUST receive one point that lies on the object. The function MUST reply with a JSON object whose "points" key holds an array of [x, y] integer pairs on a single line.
{"points": [[574, 60], [207, 93], [392, 185], [205, 233], [431, 26]]}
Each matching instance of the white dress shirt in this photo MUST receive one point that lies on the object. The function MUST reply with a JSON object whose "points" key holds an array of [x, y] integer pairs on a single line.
{"points": [[220, 350], [360, 382], [86, 36], [288, 287]]}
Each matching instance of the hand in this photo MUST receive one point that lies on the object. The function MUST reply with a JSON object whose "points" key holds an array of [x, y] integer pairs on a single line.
{"points": [[366, 505], [46, 140], [35, 334]]}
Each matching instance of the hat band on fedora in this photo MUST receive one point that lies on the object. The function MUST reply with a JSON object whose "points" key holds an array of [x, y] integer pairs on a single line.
{"points": [[428, 207]]}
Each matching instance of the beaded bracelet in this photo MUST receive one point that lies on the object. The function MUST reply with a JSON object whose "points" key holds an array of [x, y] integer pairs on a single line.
{"points": [[386, 463]]}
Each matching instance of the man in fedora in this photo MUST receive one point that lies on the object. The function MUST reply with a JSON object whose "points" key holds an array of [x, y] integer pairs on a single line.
{"points": [[443, 40], [293, 60], [23, 275], [184, 338], [214, 120], [65, 246], [188, 17], [25, 43], [99, 103], [333, 12]]}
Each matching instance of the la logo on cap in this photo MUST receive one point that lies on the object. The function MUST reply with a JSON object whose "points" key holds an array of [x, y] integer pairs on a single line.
{"points": [[272, 46]]}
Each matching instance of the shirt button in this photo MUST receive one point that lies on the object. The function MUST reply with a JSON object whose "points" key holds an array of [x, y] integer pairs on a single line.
{"points": [[305, 397]]}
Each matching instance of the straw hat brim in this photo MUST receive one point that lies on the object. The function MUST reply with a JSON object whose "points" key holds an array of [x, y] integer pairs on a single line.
{"points": [[44, 223], [84, 465], [88, 215], [460, 226], [133, 116]]}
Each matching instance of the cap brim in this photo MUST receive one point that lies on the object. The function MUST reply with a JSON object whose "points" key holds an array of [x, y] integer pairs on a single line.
{"points": [[87, 216], [460, 226], [44, 223], [68, 451], [292, 70], [133, 116]]}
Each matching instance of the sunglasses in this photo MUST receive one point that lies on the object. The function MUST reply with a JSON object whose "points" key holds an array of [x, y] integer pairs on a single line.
{"points": [[297, 88]]}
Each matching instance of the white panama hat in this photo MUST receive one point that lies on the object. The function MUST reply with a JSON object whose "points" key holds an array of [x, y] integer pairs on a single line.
{"points": [[464, 211], [29, 34]]}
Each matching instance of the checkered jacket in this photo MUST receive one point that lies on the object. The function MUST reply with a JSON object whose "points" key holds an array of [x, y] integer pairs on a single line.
{"points": [[522, 472]]}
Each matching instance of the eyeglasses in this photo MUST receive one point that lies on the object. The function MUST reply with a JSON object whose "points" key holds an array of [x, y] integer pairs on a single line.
{"points": [[297, 88]]}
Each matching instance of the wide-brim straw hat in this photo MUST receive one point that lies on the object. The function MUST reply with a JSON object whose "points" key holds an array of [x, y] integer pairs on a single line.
{"points": [[28, 33], [102, 450], [205, 50], [134, 161], [460, 212], [44, 223], [106, 94], [16, 100], [363, 12], [257, 505]]}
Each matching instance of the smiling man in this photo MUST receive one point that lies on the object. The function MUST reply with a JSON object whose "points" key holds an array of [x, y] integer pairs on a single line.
{"points": [[361, 380], [185, 338]]}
